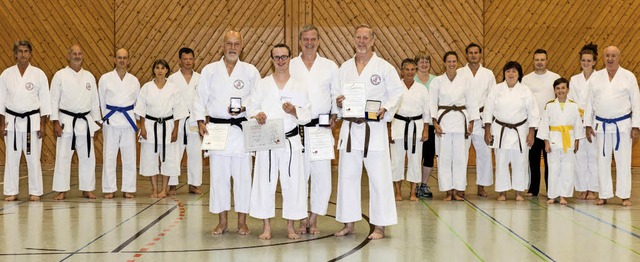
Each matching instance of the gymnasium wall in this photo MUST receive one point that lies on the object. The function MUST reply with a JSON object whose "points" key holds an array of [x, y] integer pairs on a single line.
{"points": [[507, 29]]}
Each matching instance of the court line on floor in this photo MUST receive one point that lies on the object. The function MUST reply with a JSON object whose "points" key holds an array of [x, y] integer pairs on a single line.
{"points": [[605, 222], [524, 242], [28, 201], [114, 228], [452, 230]]}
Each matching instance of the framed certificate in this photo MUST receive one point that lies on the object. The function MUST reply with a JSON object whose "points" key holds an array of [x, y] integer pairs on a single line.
{"points": [[263, 137]]}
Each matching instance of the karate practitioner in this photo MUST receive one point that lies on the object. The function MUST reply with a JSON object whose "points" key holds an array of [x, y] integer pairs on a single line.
{"points": [[482, 80], [24, 107], [160, 108], [219, 82], [560, 128], [382, 84], [186, 79], [614, 102], [428, 147], [586, 175], [279, 97], [75, 108], [410, 123], [453, 111], [540, 81], [317, 73], [510, 118], [118, 91]]}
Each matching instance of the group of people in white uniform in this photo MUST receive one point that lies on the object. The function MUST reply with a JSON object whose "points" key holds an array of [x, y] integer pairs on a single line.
{"points": [[443, 116]]}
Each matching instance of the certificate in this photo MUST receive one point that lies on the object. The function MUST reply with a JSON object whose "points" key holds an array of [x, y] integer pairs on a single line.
{"points": [[320, 144], [355, 99], [263, 137], [216, 139]]}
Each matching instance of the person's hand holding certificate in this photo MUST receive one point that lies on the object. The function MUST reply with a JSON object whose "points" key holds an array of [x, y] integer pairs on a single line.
{"points": [[216, 137], [355, 99]]}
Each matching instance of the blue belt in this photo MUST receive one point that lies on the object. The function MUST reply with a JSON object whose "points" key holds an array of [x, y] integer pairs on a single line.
{"points": [[124, 111], [614, 121]]}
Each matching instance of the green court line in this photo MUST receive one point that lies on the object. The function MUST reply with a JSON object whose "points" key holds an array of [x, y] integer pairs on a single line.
{"points": [[452, 230]]}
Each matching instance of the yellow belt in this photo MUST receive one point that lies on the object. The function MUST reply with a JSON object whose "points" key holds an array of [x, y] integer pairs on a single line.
{"points": [[566, 136]]}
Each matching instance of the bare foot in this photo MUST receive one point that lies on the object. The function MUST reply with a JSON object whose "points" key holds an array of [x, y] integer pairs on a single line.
{"points": [[398, 197], [460, 193], [413, 198], [172, 190], [626, 202], [601, 202], [243, 229], [88, 194], [34, 198], [194, 190], [348, 229], [591, 196], [551, 201], [519, 197], [583, 195], [128, 195], [378, 233], [448, 197], [108, 196], [154, 195], [265, 235], [314, 230], [60, 196], [11, 198], [502, 197], [291, 234], [220, 229], [302, 229], [563, 201], [530, 194], [482, 192], [459, 197], [162, 194]]}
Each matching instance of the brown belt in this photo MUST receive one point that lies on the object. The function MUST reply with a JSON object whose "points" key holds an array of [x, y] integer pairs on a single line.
{"points": [[510, 126], [448, 109], [367, 133]]}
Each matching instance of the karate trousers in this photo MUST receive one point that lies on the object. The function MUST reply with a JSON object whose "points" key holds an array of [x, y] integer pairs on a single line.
{"points": [[519, 177], [414, 167], [484, 162], [86, 164], [623, 165], [194, 156], [561, 173], [237, 167], [318, 174], [123, 139], [452, 162], [586, 178], [12, 163], [151, 163]]}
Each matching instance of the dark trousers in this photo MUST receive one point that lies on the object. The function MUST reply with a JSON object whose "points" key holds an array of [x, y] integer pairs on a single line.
{"points": [[534, 165]]}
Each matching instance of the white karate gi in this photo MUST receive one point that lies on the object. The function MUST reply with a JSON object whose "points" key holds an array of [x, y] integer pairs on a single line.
{"points": [[76, 92], [561, 163], [214, 92], [511, 106], [318, 81], [159, 103], [586, 175], [382, 84], [23, 93], [610, 100], [481, 83], [414, 102], [452, 159], [286, 163], [117, 132], [190, 126]]}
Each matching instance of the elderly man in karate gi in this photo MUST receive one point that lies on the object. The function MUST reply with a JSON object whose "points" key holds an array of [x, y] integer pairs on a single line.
{"points": [[187, 79], [318, 74], [614, 100], [382, 84], [118, 91], [24, 107], [75, 108], [219, 82]]}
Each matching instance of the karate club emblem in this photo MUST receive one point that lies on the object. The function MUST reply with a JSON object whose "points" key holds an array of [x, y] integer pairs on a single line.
{"points": [[238, 84], [88, 86], [29, 86], [375, 80]]}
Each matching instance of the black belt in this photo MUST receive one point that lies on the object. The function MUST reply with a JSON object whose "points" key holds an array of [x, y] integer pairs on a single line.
{"points": [[510, 126], [233, 121], [408, 120], [184, 131], [367, 133], [160, 120], [312, 123], [22, 115], [77, 116], [448, 109], [293, 132]]}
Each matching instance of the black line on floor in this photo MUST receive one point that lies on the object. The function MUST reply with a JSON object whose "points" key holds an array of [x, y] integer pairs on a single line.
{"points": [[54, 253], [27, 201], [361, 245], [134, 237], [44, 249]]}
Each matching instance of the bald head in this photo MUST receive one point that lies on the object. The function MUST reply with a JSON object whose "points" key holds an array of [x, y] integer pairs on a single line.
{"points": [[121, 59], [612, 58], [232, 45]]}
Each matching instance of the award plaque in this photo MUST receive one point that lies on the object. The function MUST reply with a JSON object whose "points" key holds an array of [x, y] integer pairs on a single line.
{"points": [[371, 110], [323, 120], [235, 105]]}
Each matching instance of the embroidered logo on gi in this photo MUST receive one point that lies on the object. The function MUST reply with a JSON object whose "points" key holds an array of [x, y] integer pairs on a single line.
{"points": [[29, 86], [238, 84], [88, 86], [375, 80]]}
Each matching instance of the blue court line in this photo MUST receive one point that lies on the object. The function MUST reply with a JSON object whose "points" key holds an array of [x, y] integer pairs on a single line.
{"points": [[604, 222], [541, 254], [452, 230]]}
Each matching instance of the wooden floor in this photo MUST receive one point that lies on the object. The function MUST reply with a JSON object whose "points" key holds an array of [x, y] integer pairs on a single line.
{"points": [[178, 229]]}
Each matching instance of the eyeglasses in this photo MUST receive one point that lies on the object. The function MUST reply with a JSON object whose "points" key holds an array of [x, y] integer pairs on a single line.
{"points": [[281, 57]]}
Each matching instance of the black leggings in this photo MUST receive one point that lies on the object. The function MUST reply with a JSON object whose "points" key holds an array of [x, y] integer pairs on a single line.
{"points": [[429, 148]]}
